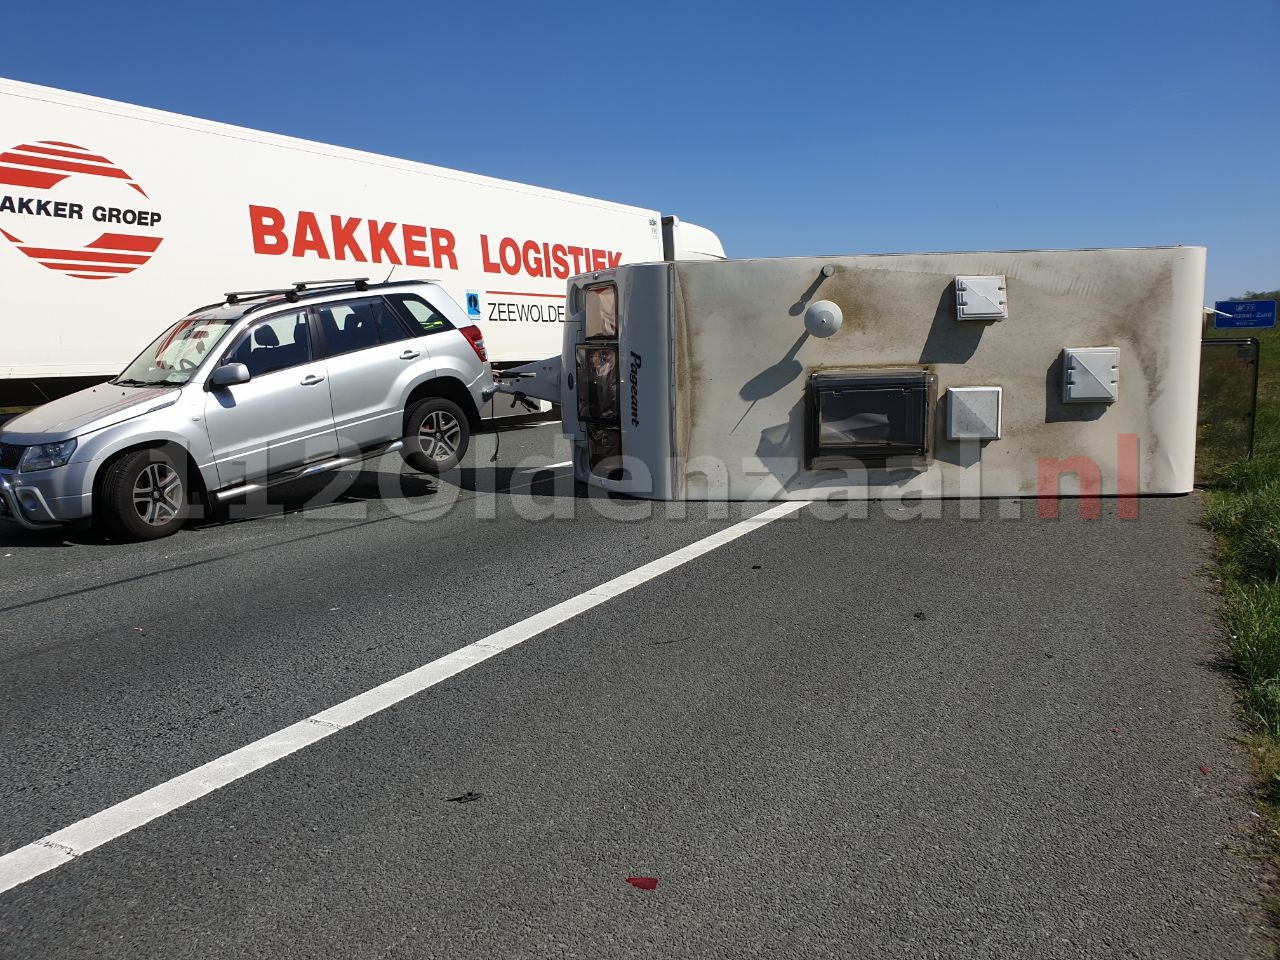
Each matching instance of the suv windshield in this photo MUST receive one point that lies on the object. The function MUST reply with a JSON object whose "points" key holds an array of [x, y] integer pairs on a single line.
{"points": [[176, 353]]}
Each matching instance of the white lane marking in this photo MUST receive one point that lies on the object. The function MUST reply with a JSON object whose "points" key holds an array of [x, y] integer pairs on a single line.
{"points": [[78, 839], [549, 466]]}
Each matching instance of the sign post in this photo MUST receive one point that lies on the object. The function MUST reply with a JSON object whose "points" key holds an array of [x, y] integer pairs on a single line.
{"points": [[1243, 314]]}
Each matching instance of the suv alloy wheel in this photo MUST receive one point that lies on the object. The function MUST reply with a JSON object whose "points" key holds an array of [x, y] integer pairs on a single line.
{"points": [[144, 495], [436, 435]]}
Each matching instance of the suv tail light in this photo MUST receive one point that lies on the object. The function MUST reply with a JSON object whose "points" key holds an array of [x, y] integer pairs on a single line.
{"points": [[476, 339]]}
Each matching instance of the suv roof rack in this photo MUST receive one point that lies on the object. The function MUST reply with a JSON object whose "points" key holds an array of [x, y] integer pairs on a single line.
{"points": [[299, 286], [359, 283], [311, 288], [242, 296]]}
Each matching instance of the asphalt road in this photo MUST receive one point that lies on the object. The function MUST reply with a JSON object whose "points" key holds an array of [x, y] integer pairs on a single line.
{"points": [[965, 736]]}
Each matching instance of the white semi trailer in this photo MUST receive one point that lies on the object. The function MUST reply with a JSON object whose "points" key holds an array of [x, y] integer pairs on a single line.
{"points": [[116, 219]]}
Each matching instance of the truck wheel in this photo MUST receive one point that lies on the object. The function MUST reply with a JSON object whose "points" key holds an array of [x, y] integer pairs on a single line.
{"points": [[144, 496], [436, 435]]}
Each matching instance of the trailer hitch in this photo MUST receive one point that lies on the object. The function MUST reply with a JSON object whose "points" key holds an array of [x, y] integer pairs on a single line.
{"points": [[531, 381]]}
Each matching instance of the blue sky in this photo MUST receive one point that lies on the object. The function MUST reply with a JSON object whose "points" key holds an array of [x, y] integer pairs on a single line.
{"points": [[789, 129]]}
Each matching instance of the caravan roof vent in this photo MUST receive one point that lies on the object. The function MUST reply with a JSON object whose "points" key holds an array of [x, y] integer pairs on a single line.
{"points": [[981, 298]]}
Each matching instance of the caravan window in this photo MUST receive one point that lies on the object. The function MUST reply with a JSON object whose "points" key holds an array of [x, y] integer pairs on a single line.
{"points": [[602, 311], [870, 418], [598, 383]]}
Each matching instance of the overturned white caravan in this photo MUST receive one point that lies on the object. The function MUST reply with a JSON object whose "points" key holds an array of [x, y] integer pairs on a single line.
{"points": [[931, 375]]}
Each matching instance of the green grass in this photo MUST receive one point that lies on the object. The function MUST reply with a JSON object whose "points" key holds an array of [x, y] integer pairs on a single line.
{"points": [[1242, 507]]}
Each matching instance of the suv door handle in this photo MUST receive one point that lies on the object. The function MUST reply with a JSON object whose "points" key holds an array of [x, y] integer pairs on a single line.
{"points": [[410, 354], [310, 380]]}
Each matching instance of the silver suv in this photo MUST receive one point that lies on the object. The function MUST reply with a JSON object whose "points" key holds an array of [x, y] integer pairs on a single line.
{"points": [[268, 386]]}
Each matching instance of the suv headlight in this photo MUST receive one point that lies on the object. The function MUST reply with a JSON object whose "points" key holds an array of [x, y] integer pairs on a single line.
{"points": [[46, 455]]}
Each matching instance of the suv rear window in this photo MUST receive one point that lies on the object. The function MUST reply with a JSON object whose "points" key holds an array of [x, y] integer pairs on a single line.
{"points": [[420, 313], [357, 324]]}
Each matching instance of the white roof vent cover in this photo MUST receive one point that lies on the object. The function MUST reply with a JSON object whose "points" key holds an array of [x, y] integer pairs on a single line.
{"points": [[981, 298]]}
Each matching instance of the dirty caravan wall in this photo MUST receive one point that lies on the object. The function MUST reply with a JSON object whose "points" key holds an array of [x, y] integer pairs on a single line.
{"points": [[931, 375]]}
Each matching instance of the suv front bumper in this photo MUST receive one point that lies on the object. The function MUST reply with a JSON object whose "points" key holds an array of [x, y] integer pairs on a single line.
{"points": [[42, 502], [24, 505]]}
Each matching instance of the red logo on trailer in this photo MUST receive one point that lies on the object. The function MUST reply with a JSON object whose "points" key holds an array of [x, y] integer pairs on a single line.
{"points": [[49, 182]]}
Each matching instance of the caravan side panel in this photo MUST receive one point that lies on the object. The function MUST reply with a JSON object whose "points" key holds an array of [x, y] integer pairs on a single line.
{"points": [[743, 363]]}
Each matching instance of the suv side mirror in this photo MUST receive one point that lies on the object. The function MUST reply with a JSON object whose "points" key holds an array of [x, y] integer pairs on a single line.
{"points": [[228, 375]]}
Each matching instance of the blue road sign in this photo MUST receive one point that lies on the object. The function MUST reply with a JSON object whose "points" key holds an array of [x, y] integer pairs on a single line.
{"points": [[1235, 314]]}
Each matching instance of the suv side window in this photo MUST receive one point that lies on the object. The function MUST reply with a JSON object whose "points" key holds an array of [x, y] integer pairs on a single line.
{"points": [[274, 344], [425, 318], [357, 324]]}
